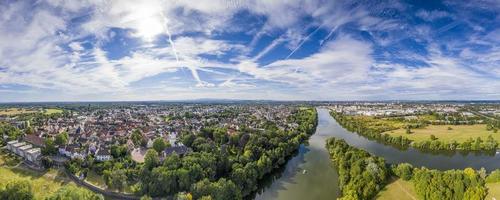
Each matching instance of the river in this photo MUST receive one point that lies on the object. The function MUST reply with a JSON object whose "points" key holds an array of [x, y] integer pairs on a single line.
{"points": [[320, 178]]}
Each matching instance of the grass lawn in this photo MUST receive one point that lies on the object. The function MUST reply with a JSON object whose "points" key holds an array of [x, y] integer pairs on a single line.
{"points": [[397, 189], [459, 133], [16, 111], [95, 179], [493, 190], [52, 111], [43, 184]]}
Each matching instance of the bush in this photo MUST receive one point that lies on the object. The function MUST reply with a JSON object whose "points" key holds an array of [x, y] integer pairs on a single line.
{"points": [[403, 170]]}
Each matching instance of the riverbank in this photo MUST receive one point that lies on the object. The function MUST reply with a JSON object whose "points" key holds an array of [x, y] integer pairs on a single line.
{"points": [[421, 135], [309, 173], [363, 174]]}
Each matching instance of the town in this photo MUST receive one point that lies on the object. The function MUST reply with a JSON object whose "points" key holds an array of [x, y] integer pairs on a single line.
{"points": [[74, 137]]}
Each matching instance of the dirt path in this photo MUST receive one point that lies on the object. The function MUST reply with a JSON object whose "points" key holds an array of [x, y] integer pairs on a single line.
{"points": [[406, 191]]}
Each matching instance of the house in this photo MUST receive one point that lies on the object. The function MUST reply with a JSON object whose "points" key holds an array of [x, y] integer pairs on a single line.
{"points": [[179, 150], [71, 151], [21, 150], [35, 140], [33, 155], [103, 155], [25, 150]]}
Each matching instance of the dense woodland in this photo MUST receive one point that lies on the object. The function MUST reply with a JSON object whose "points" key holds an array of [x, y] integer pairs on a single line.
{"points": [[446, 185], [361, 175], [375, 129], [221, 166]]}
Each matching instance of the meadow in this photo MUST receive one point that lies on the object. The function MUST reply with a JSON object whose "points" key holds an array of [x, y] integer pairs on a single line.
{"points": [[447, 133]]}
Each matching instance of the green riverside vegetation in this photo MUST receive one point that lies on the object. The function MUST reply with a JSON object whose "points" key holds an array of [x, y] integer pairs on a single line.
{"points": [[362, 176], [378, 129]]}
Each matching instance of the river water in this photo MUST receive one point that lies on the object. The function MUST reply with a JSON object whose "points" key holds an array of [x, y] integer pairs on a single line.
{"points": [[310, 175]]}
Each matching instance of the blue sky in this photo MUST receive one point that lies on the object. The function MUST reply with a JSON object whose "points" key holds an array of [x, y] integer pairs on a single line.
{"points": [[92, 50]]}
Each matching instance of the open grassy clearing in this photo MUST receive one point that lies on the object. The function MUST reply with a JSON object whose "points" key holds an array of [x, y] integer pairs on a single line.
{"points": [[397, 189], [459, 133], [16, 111], [97, 180], [52, 111], [493, 190], [43, 184]]}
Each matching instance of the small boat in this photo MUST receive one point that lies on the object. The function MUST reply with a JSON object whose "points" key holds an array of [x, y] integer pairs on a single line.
{"points": [[304, 171]]}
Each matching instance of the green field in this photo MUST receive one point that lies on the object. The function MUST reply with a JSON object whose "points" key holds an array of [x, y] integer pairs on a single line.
{"points": [[397, 189], [459, 133], [52, 111], [493, 190], [95, 179], [44, 184], [16, 111]]}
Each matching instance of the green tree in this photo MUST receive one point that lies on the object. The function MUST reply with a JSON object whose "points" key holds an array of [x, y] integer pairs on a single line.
{"points": [[403, 170], [17, 190], [159, 145], [137, 138], [50, 147], [61, 138], [151, 159], [222, 189], [71, 192], [475, 193]]}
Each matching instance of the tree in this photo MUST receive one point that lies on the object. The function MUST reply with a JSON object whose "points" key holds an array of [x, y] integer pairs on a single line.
{"points": [[71, 192], [222, 189], [475, 193], [61, 138], [17, 190], [146, 197], [151, 159], [137, 138], [404, 171], [50, 147], [408, 130], [118, 151], [433, 137], [159, 145], [117, 179]]}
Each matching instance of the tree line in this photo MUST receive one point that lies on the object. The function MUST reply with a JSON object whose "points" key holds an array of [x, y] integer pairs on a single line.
{"points": [[361, 175], [433, 184], [377, 133]]}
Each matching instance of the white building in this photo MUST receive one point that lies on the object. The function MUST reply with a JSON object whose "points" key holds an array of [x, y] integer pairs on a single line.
{"points": [[103, 155], [25, 150]]}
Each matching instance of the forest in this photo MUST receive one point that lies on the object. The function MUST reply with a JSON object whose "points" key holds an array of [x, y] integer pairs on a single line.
{"points": [[361, 175], [433, 184]]}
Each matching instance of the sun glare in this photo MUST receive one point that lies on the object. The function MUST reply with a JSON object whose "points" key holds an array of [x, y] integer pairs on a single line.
{"points": [[148, 21]]}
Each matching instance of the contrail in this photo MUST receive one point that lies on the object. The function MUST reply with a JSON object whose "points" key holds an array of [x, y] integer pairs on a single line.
{"points": [[303, 41], [194, 73], [169, 36]]}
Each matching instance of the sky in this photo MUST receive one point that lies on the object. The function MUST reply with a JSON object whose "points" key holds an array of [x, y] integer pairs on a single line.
{"points": [[96, 50]]}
